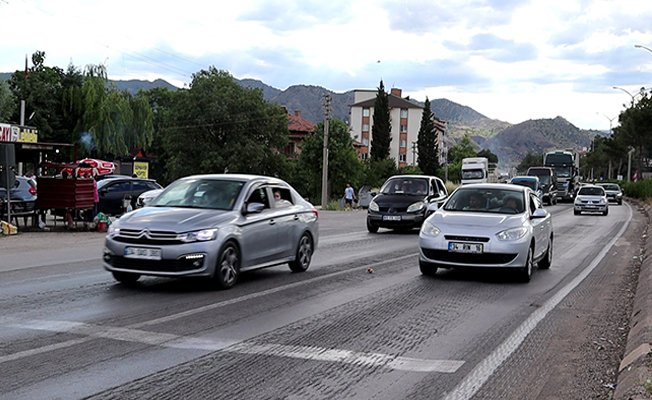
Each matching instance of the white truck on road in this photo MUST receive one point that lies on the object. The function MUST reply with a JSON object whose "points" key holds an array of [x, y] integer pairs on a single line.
{"points": [[475, 170]]}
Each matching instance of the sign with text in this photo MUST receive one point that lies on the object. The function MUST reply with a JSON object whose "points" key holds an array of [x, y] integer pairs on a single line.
{"points": [[141, 169], [17, 133]]}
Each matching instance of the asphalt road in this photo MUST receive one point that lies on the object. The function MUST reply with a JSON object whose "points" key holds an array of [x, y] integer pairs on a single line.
{"points": [[67, 330]]}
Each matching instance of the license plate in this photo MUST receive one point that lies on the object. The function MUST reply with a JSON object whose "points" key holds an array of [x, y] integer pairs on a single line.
{"points": [[391, 217], [143, 253], [465, 247]]}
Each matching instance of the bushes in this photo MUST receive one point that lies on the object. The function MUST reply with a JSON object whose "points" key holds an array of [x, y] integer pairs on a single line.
{"points": [[640, 190]]}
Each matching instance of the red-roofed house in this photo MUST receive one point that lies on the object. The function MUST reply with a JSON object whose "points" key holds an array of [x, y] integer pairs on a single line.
{"points": [[299, 129]]}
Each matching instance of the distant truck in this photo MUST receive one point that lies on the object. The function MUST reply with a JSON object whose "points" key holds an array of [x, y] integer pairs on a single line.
{"points": [[566, 164], [475, 170]]}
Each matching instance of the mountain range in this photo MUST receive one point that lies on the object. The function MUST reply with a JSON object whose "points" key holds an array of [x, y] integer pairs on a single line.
{"points": [[509, 142]]}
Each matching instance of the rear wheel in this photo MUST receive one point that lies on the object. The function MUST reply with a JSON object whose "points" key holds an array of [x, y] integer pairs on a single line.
{"points": [[525, 273], [228, 267], [547, 259], [554, 200], [304, 254], [125, 277], [371, 227], [427, 269]]}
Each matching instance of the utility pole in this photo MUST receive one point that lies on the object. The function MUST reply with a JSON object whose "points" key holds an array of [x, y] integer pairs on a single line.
{"points": [[324, 167], [414, 153]]}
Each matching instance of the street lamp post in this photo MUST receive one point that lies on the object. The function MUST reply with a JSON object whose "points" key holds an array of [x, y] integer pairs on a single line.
{"points": [[638, 46], [626, 91], [610, 121]]}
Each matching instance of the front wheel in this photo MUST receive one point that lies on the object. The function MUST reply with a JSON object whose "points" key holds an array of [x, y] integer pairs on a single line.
{"points": [[304, 254], [605, 212], [547, 260], [371, 227], [427, 269], [525, 273], [576, 212], [228, 267]]}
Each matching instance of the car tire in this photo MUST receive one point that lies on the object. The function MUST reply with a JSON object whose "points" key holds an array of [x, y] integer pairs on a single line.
{"points": [[554, 201], [427, 269], [546, 262], [304, 254], [576, 212], [620, 203], [371, 227], [125, 277], [606, 212], [227, 269], [525, 273]]}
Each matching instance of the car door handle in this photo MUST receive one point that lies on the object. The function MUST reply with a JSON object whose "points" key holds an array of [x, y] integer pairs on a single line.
{"points": [[272, 222], [296, 217]]}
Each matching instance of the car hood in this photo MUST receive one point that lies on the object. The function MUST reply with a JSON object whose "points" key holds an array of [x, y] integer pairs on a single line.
{"points": [[398, 200], [175, 219], [476, 220]]}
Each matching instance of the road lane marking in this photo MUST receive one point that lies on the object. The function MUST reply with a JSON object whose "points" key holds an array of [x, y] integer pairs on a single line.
{"points": [[169, 318], [235, 346], [483, 371]]}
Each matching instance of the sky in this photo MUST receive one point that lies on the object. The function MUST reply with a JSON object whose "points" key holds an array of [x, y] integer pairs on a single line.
{"points": [[509, 60]]}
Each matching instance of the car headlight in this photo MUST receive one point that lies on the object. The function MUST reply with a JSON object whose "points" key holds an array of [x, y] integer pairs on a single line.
{"points": [[198, 236], [415, 206], [373, 206], [429, 229], [113, 229], [512, 234]]}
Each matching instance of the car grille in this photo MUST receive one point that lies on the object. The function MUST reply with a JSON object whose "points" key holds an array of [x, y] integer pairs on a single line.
{"points": [[178, 265], [147, 237], [392, 210], [467, 238], [469, 258], [589, 202]]}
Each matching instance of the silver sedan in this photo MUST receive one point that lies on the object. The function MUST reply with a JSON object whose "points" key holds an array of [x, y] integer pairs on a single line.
{"points": [[488, 225], [214, 226]]}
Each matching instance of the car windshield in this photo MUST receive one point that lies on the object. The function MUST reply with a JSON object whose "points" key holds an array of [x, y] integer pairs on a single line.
{"points": [[472, 174], [591, 191], [409, 186], [500, 201], [200, 193], [612, 186], [532, 184]]}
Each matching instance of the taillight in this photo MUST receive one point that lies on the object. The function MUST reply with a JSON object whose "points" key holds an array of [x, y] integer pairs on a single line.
{"points": [[32, 191], [314, 211]]}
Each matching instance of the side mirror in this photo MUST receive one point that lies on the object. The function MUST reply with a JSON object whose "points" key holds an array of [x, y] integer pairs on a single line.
{"points": [[373, 194], [539, 213], [254, 208], [103, 192]]}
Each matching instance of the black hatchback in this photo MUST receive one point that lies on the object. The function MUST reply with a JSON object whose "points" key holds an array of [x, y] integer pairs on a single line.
{"points": [[405, 201], [113, 190]]}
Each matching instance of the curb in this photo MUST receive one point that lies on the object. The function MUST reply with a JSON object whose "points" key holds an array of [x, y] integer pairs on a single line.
{"points": [[635, 371]]}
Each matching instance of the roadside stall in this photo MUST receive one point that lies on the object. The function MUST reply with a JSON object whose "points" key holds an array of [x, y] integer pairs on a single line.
{"points": [[69, 192]]}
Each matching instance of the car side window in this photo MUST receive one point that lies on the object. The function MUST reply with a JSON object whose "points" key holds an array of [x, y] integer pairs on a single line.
{"points": [[282, 197], [259, 195], [533, 203], [119, 187], [140, 186]]}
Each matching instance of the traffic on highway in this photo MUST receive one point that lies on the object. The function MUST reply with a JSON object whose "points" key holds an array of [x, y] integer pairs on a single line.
{"points": [[362, 322]]}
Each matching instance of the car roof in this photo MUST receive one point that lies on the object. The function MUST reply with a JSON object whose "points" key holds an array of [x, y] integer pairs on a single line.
{"points": [[591, 186], [237, 177], [526, 178], [502, 186], [413, 176]]}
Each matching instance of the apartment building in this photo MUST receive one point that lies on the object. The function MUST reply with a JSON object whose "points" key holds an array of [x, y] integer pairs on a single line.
{"points": [[405, 119]]}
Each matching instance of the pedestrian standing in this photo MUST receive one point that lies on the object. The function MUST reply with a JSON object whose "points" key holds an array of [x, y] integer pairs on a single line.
{"points": [[349, 195]]}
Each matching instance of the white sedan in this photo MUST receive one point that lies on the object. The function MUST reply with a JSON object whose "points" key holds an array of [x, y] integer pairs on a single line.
{"points": [[488, 225], [146, 197]]}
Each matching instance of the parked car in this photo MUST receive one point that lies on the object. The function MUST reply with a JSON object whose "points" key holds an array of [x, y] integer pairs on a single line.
{"points": [[591, 198], [488, 226], [531, 181], [113, 190], [214, 226], [146, 197], [23, 197], [614, 193], [405, 201]]}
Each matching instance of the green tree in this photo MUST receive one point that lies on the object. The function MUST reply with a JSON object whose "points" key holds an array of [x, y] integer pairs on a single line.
{"points": [[427, 147], [381, 131], [635, 128], [530, 160], [464, 149], [489, 155], [42, 92], [218, 126], [344, 165], [8, 103]]}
